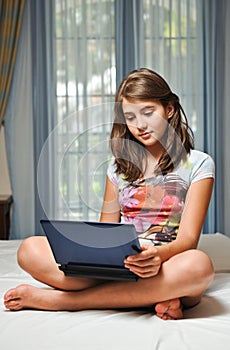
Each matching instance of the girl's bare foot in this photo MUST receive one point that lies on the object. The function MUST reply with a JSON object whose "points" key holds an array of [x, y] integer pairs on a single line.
{"points": [[169, 309], [28, 297]]}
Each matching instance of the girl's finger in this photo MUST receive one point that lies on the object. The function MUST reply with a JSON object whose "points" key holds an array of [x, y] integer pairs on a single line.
{"points": [[144, 255], [146, 273], [144, 262]]}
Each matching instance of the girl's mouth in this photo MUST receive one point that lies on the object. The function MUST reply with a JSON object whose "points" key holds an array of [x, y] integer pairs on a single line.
{"points": [[145, 135]]}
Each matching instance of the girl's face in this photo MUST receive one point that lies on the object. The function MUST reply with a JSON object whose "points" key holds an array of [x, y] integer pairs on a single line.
{"points": [[147, 120]]}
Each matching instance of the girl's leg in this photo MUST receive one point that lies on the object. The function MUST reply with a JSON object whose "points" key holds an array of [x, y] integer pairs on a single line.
{"points": [[186, 275], [36, 258]]}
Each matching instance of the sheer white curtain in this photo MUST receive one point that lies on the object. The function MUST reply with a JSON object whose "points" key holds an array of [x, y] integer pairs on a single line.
{"points": [[84, 63], [170, 30], [161, 35]]}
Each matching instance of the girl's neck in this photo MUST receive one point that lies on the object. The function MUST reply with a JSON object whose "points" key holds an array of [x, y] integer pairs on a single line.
{"points": [[151, 163], [155, 152]]}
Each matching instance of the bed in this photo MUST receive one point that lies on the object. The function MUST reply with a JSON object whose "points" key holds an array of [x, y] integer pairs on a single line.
{"points": [[206, 326]]}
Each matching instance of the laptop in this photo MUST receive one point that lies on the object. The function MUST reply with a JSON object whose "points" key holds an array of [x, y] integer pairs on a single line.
{"points": [[92, 249]]}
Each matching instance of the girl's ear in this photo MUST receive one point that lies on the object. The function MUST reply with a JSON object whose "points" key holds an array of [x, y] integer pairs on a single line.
{"points": [[170, 110]]}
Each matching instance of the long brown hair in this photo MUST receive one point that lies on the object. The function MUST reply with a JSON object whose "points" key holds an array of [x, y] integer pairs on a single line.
{"points": [[130, 154]]}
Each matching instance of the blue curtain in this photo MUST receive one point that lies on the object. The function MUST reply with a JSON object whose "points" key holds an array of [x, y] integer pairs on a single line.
{"points": [[129, 37], [212, 21], [19, 138], [43, 89]]}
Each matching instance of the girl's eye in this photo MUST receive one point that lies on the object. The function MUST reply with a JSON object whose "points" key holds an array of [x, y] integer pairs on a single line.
{"points": [[148, 113], [129, 117]]}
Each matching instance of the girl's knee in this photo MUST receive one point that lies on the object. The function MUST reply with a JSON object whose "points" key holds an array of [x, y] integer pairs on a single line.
{"points": [[201, 266], [23, 252], [27, 251]]}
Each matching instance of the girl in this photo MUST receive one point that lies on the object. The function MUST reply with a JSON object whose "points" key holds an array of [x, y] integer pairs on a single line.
{"points": [[158, 182]]}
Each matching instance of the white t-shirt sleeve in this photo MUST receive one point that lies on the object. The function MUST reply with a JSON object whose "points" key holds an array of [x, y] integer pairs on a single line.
{"points": [[203, 167]]}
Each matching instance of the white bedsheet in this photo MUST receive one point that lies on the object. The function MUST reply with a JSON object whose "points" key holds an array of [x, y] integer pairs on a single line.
{"points": [[206, 326]]}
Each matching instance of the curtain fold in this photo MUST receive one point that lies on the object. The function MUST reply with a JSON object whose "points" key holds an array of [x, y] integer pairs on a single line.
{"points": [[226, 126], [212, 21], [11, 12], [43, 91], [19, 137], [129, 37]]}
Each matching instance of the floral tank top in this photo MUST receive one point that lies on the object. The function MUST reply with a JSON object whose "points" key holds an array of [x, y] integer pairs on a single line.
{"points": [[154, 205]]}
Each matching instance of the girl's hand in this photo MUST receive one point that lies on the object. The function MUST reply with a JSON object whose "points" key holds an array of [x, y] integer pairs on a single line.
{"points": [[145, 264]]}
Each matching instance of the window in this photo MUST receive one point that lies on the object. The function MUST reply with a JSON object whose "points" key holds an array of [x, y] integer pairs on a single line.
{"points": [[85, 86]]}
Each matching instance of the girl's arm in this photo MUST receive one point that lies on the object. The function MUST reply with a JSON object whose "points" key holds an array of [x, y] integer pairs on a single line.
{"points": [[110, 208], [192, 220], [148, 262]]}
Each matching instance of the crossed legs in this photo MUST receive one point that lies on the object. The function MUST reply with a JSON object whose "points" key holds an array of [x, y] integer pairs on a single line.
{"points": [[183, 278]]}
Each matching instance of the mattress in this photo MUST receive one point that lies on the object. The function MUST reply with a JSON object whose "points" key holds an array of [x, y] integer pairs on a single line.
{"points": [[206, 326]]}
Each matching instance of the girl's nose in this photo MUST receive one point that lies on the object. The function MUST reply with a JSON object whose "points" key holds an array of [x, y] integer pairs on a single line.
{"points": [[141, 123]]}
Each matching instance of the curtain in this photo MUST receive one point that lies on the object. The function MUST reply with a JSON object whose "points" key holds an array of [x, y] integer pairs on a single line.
{"points": [[29, 120], [129, 37], [19, 137], [84, 65], [226, 127], [43, 91], [212, 47], [11, 12], [170, 48]]}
